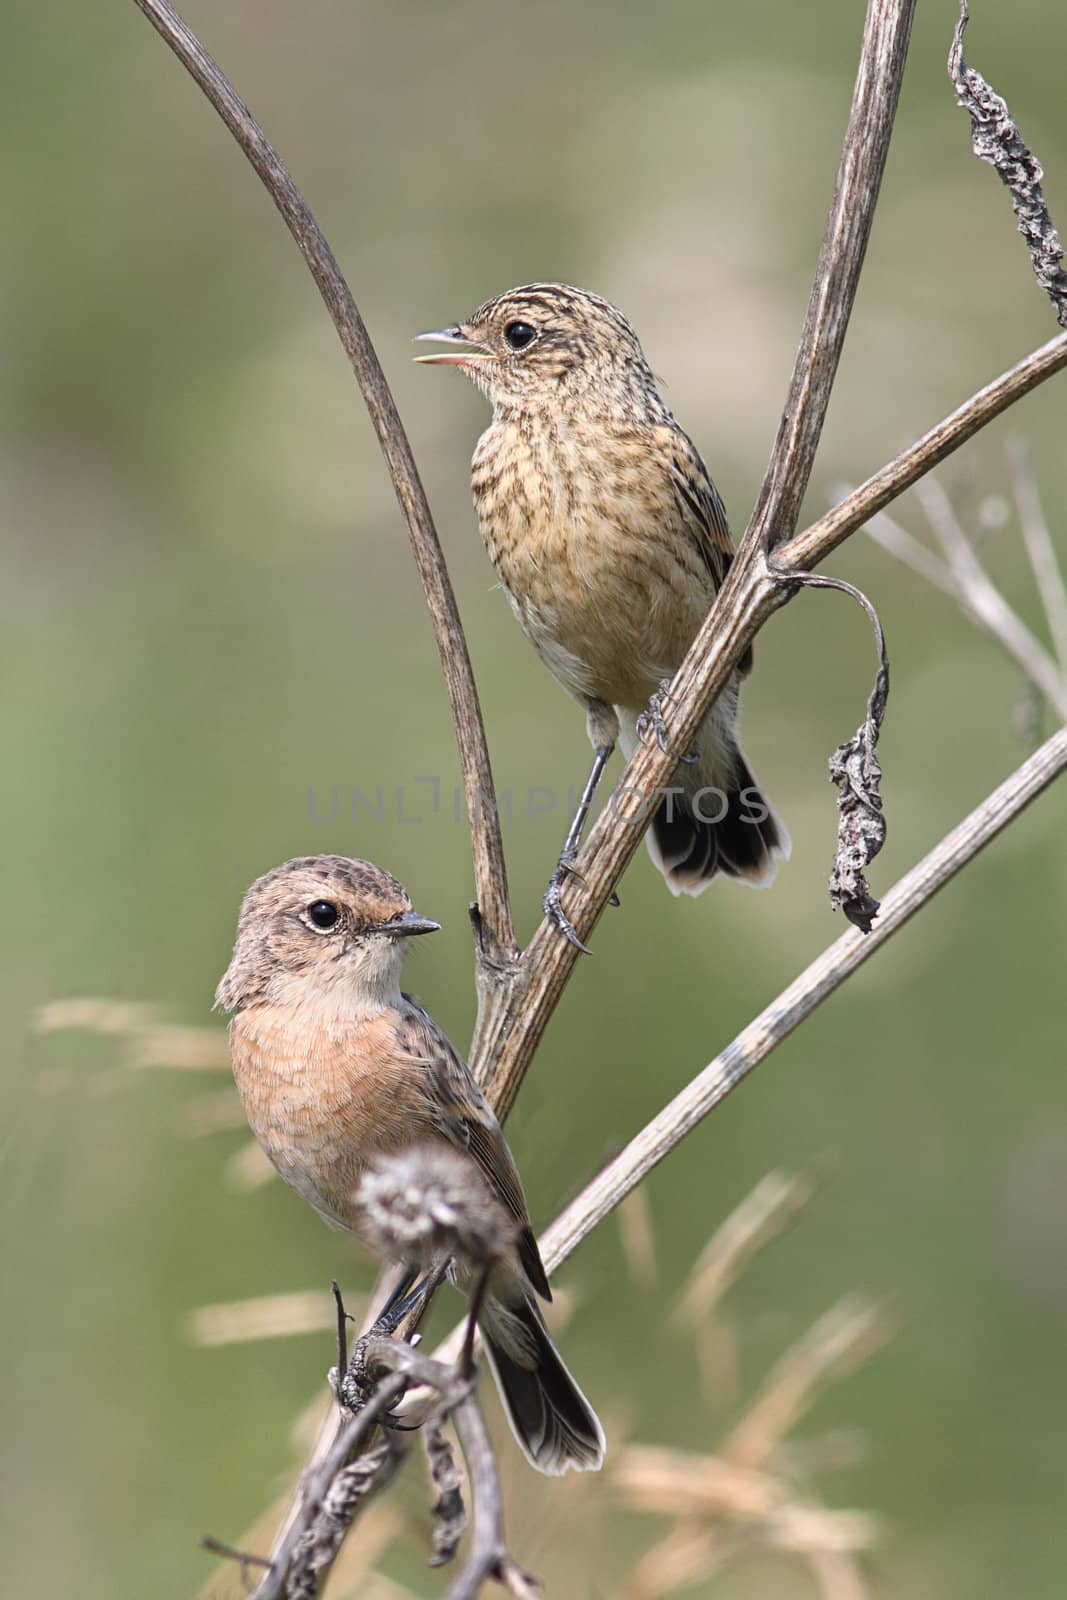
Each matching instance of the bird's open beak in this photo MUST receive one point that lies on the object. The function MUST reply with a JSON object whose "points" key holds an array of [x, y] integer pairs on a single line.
{"points": [[467, 357], [406, 926]]}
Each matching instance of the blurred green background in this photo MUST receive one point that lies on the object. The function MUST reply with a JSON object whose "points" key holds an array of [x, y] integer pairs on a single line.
{"points": [[212, 623]]}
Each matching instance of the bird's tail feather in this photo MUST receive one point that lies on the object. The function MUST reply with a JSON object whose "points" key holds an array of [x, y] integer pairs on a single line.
{"points": [[717, 818], [550, 1417]]}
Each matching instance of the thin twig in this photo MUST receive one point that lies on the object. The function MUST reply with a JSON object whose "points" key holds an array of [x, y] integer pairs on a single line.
{"points": [[314, 1534], [820, 980], [983, 600], [909, 550], [230, 1552], [879, 76], [979, 600], [488, 1558], [316, 1480], [1048, 574], [807, 549], [489, 870], [997, 140], [788, 1010]]}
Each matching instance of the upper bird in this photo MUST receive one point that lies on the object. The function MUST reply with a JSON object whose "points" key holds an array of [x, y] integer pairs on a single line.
{"points": [[611, 541], [337, 1068]]}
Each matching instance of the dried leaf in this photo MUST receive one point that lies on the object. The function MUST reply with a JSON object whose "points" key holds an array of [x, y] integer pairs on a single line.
{"points": [[449, 1512], [996, 139]]}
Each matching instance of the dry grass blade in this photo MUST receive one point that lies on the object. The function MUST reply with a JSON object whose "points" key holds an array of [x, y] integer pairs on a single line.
{"points": [[806, 1528], [270, 1316], [837, 1575], [248, 1168], [680, 1483], [190, 1049], [638, 1238], [93, 1014], [688, 1554], [983, 600], [1047, 571], [219, 1111], [846, 1336], [762, 1216]]}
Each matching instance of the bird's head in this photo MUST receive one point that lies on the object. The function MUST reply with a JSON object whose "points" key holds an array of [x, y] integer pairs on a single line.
{"points": [[538, 345], [321, 929]]}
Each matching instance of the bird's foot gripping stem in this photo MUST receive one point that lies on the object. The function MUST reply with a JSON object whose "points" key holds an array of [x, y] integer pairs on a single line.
{"points": [[553, 908], [652, 721]]}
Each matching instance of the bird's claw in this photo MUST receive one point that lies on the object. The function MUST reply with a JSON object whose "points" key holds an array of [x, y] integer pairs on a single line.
{"points": [[653, 721], [553, 907], [356, 1387]]}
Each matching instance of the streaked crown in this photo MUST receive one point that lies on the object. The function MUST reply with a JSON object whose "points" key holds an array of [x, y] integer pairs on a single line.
{"points": [[544, 339]]}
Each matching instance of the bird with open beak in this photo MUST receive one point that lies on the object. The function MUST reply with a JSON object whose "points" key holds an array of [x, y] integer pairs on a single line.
{"points": [[611, 542]]}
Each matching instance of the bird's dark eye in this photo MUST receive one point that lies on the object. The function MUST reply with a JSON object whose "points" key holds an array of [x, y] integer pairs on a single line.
{"points": [[323, 913], [519, 335]]}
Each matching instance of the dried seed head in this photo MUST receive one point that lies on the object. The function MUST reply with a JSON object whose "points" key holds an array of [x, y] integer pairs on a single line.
{"points": [[429, 1202]]}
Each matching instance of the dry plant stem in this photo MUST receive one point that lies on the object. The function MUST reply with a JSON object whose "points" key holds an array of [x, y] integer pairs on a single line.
{"points": [[488, 1558], [874, 105], [1046, 568], [489, 870], [317, 1478], [982, 599], [777, 1021], [984, 605], [404, 1367], [825, 975], [807, 549]]}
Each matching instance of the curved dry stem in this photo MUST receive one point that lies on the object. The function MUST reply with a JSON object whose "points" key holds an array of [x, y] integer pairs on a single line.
{"points": [[490, 875], [807, 549]]}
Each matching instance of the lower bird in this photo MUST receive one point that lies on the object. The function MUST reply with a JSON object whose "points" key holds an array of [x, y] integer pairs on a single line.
{"points": [[611, 541], [336, 1068]]}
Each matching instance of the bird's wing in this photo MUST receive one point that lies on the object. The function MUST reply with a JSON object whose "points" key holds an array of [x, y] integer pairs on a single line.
{"points": [[459, 1113], [702, 511]]}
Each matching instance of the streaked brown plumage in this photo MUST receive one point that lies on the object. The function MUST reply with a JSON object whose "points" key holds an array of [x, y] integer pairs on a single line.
{"points": [[611, 541], [335, 1066]]}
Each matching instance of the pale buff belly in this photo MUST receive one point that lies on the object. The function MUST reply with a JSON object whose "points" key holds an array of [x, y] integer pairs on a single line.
{"points": [[608, 612]]}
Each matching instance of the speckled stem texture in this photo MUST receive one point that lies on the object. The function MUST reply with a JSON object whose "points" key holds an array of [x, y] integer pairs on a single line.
{"points": [[996, 139]]}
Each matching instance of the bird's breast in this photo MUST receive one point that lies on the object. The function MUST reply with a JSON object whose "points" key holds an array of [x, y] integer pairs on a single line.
{"points": [[582, 526], [322, 1098]]}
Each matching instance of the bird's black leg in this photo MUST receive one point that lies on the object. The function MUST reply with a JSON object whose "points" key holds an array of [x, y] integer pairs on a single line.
{"points": [[356, 1382], [398, 1296], [567, 856]]}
